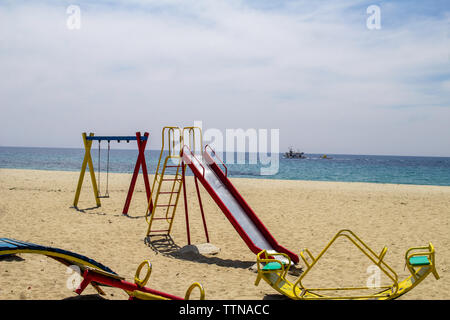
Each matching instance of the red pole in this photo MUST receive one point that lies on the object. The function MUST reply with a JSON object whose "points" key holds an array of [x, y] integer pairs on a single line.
{"points": [[183, 170], [139, 161], [144, 171], [201, 209]]}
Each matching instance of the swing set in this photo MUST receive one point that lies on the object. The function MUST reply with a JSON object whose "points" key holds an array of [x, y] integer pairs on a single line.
{"points": [[87, 162]]}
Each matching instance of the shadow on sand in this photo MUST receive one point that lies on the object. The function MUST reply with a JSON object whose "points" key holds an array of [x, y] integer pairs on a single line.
{"points": [[165, 245], [86, 297], [88, 211], [11, 258]]}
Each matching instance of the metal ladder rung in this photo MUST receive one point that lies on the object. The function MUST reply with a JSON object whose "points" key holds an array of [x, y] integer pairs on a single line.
{"points": [[168, 192], [159, 230], [163, 218], [165, 205], [173, 166], [171, 179]]}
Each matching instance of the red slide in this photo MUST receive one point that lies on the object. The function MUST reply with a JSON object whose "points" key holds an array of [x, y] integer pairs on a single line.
{"points": [[232, 204]]}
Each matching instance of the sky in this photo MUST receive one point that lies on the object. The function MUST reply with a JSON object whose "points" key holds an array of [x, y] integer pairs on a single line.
{"points": [[311, 69]]}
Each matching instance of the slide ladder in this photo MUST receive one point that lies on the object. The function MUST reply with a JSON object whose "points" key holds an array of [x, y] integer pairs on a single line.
{"points": [[168, 179], [166, 195]]}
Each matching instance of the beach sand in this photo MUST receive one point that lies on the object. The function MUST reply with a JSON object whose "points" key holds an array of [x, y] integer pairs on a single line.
{"points": [[36, 206]]}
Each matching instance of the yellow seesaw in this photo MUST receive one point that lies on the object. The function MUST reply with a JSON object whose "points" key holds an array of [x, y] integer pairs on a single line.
{"points": [[419, 260]]}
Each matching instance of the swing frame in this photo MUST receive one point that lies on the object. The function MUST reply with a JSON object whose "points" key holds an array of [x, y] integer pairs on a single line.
{"points": [[140, 162]]}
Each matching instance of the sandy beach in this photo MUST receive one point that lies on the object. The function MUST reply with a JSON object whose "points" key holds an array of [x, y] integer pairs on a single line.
{"points": [[36, 206]]}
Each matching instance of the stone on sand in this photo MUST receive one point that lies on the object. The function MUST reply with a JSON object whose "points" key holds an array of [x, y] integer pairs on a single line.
{"points": [[199, 249]]}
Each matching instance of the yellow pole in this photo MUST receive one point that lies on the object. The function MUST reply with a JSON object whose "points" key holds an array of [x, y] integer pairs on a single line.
{"points": [[191, 132], [87, 161]]}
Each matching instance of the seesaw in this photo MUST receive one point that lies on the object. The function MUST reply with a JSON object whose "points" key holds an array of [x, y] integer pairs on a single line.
{"points": [[420, 262], [95, 273]]}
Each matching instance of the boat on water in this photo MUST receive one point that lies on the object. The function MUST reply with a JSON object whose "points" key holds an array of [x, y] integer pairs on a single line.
{"points": [[291, 154]]}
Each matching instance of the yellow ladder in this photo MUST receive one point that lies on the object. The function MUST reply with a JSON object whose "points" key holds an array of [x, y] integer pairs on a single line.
{"points": [[174, 136], [163, 220]]}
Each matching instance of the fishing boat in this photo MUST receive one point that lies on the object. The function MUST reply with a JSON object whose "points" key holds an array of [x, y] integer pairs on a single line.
{"points": [[291, 154]]}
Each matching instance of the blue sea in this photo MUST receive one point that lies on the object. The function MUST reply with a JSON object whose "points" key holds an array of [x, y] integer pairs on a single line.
{"points": [[341, 167]]}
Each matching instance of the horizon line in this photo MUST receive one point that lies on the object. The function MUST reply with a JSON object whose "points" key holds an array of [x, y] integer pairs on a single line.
{"points": [[225, 151]]}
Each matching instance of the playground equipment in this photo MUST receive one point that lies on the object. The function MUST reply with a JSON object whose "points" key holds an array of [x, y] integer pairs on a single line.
{"points": [[174, 137], [236, 209], [215, 181], [87, 161], [95, 273], [419, 260], [160, 216]]}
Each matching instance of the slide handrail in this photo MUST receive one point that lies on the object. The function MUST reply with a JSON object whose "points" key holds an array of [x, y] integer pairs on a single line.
{"points": [[214, 153], [193, 156]]}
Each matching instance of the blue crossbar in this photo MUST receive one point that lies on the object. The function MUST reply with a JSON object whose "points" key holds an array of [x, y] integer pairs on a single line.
{"points": [[116, 138]]}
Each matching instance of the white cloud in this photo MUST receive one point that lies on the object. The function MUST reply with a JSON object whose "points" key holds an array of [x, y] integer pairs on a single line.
{"points": [[317, 73]]}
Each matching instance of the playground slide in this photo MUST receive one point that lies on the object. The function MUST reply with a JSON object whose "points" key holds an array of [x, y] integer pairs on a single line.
{"points": [[233, 205]]}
